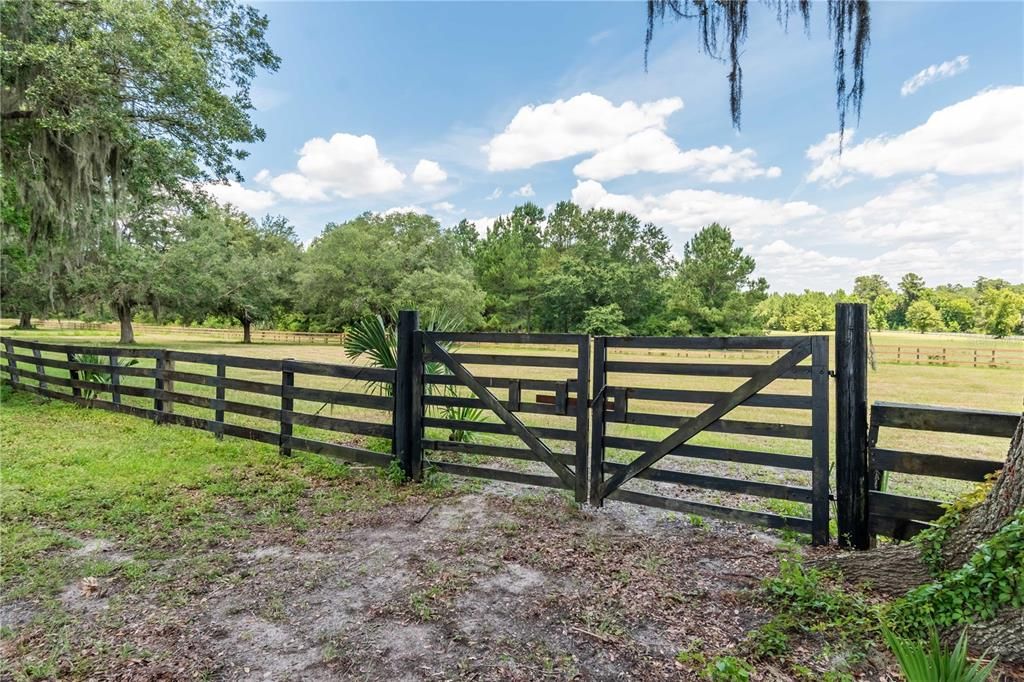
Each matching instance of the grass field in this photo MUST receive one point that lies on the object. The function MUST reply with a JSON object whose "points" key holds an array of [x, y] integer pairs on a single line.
{"points": [[981, 388]]}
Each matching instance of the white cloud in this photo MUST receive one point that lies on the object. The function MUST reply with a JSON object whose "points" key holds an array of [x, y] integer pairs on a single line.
{"points": [[980, 135], [564, 128], [653, 151], [599, 37], [483, 224], [405, 209], [689, 209], [935, 72], [345, 166], [262, 177], [444, 207], [248, 200], [524, 191], [428, 173], [496, 194]]}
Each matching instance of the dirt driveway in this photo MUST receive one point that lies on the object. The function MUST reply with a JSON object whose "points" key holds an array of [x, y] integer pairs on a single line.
{"points": [[496, 584]]}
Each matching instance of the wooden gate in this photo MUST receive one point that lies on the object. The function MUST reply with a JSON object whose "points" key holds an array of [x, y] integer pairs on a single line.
{"points": [[711, 367], [446, 385]]}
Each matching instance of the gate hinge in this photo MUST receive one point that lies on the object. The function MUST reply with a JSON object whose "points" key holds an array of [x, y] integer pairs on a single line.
{"points": [[832, 373]]}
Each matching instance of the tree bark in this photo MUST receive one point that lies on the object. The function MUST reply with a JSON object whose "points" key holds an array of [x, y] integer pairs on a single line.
{"points": [[25, 320], [124, 316], [246, 328], [893, 570]]}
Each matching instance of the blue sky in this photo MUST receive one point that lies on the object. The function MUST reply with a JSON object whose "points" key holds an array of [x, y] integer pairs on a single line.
{"points": [[463, 110]]}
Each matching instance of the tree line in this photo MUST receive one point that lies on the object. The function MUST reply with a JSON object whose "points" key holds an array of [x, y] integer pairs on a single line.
{"points": [[594, 271]]}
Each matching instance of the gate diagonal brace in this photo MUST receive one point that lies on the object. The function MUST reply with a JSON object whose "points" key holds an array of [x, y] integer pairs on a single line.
{"points": [[691, 426], [492, 403]]}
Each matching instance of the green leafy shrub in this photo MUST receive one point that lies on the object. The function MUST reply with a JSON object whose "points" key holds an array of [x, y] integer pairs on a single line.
{"points": [[728, 669], [931, 662], [97, 375]]}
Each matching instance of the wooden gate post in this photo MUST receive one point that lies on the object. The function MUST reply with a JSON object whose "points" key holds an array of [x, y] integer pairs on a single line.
{"points": [[408, 396], [287, 406], [852, 424], [597, 424]]}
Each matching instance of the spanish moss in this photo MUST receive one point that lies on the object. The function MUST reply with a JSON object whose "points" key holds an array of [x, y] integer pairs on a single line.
{"points": [[722, 26]]}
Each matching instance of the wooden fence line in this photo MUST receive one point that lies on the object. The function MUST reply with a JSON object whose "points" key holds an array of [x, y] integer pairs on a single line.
{"points": [[166, 392]]}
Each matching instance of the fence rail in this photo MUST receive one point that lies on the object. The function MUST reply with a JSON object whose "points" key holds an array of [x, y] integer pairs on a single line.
{"points": [[94, 377], [266, 335], [902, 516]]}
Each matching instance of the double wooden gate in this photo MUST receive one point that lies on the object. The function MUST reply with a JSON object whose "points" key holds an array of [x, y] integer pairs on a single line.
{"points": [[620, 422]]}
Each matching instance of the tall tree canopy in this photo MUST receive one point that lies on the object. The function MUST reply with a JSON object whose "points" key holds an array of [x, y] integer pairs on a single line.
{"points": [[108, 97], [722, 26]]}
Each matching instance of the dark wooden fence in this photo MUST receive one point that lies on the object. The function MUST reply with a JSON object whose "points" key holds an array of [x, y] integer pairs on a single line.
{"points": [[902, 516], [155, 387], [620, 398], [570, 383]]}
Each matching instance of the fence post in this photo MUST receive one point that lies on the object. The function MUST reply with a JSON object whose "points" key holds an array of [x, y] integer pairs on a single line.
{"points": [[158, 386], [12, 364], [76, 391], [819, 440], [582, 418], [40, 367], [115, 378], [218, 400], [596, 469], [852, 425], [287, 406], [402, 445]]}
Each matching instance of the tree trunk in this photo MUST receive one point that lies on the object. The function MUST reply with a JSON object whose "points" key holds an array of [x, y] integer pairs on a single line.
{"points": [[25, 320], [246, 328], [896, 569], [124, 316]]}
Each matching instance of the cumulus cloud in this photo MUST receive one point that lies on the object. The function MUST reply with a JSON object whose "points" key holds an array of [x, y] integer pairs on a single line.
{"points": [[428, 173], [565, 128], [496, 194], [980, 135], [935, 72], [690, 209], [444, 207], [483, 224], [262, 177], [524, 191], [248, 200], [344, 166], [653, 151], [405, 209]]}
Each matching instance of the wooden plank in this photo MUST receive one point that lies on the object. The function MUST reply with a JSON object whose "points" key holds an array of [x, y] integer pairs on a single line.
{"points": [[76, 392], [485, 450], [40, 368], [691, 426], [12, 364], [597, 420], [939, 466], [511, 421], [92, 350], [218, 415], [115, 376], [851, 425], [904, 506], [287, 406], [361, 428], [500, 428], [243, 362], [947, 419], [506, 360], [503, 337], [582, 417], [704, 342], [732, 485], [401, 416], [353, 372], [499, 382], [715, 453], [704, 369], [713, 511], [498, 474], [76, 365], [416, 415], [819, 441], [320, 395], [747, 428], [543, 405], [336, 451], [773, 400]]}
